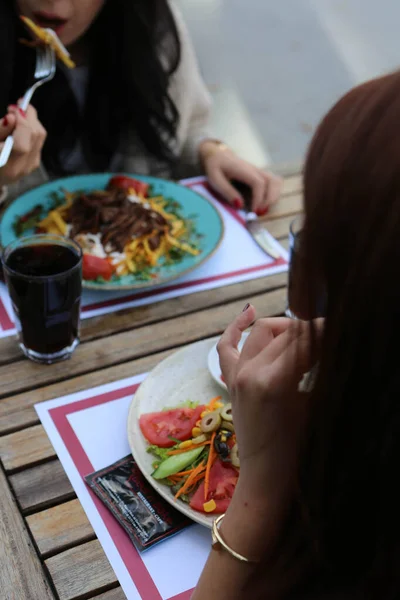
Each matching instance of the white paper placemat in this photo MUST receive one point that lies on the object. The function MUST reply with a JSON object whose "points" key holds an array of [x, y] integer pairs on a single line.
{"points": [[88, 432], [237, 259]]}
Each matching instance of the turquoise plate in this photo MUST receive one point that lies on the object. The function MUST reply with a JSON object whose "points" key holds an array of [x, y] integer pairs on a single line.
{"points": [[207, 220]]}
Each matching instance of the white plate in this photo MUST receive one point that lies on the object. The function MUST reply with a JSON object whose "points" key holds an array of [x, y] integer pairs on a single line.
{"points": [[180, 377], [213, 362]]}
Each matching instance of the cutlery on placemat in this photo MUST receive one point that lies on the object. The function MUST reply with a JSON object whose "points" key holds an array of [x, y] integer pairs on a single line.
{"points": [[255, 226]]}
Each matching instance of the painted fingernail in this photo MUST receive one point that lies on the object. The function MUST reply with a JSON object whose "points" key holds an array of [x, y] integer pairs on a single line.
{"points": [[237, 203], [13, 106], [22, 112], [246, 307], [261, 212], [5, 122]]}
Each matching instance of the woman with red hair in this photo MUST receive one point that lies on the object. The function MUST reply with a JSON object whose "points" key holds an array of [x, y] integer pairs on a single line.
{"points": [[315, 514]]}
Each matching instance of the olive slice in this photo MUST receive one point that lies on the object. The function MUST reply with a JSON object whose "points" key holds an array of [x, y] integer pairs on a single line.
{"points": [[210, 422], [228, 426], [199, 439], [235, 456], [221, 448], [226, 413]]}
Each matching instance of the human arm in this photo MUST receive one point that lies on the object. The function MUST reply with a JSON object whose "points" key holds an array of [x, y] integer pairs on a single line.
{"points": [[270, 418]]}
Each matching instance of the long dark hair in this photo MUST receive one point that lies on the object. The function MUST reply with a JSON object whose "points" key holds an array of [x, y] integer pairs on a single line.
{"points": [[135, 49], [343, 533]]}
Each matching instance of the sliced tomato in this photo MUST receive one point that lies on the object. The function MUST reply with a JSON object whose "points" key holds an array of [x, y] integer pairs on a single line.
{"points": [[126, 183], [94, 267], [158, 428], [223, 480]]}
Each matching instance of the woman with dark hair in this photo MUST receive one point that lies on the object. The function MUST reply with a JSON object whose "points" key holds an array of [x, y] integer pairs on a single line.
{"points": [[315, 514], [136, 101]]}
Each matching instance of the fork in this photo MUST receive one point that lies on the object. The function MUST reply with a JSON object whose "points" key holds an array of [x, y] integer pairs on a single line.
{"points": [[44, 72]]}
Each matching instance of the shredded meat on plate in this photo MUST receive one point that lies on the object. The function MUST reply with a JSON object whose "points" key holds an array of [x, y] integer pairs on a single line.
{"points": [[116, 218]]}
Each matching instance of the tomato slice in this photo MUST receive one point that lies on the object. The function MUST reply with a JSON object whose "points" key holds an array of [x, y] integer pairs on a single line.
{"points": [[126, 183], [223, 480], [159, 427], [94, 267]]}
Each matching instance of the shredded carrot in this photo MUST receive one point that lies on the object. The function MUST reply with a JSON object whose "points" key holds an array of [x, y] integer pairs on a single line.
{"points": [[213, 402], [189, 481], [183, 473], [210, 461], [198, 478], [181, 450]]}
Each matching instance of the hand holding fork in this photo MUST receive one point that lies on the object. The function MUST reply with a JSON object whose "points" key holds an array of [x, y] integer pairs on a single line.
{"points": [[25, 133]]}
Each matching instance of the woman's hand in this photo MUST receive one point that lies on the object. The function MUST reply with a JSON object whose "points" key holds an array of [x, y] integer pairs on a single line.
{"points": [[270, 417], [270, 414], [223, 166], [29, 137]]}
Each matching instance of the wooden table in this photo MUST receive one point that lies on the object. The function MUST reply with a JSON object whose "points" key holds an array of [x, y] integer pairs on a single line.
{"points": [[47, 546]]}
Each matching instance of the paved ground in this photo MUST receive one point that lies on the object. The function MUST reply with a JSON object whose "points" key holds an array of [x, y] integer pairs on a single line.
{"points": [[276, 66]]}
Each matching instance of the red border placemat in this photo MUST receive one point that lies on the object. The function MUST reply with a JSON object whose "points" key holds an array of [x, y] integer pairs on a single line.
{"points": [[130, 556]]}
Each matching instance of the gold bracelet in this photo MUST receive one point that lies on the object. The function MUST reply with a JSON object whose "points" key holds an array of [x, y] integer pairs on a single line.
{"points": [[219, 542], [218, 146]]}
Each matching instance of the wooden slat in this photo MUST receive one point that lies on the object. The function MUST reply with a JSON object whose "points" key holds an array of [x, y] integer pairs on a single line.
{"points": [[279, 228], [289, 205], [285, 244], [42, 486], [18, 412], [185, 305], [61, 527], [20, 376], [115, 594], [9, 350], [21, 574], [160, 311], [27, 447], [292, 185], [81, 571]]}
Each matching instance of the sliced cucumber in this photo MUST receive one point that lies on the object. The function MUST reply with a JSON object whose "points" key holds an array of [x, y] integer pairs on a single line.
{"points": [[176, 463]]}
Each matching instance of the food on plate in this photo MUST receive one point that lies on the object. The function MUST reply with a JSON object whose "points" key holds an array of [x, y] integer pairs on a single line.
{"points": [[49, 38], [122, 230], [196, 453], [163, 428]]}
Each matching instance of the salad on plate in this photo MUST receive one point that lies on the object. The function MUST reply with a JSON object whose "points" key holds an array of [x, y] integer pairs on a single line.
{"points": [[195, 453]]}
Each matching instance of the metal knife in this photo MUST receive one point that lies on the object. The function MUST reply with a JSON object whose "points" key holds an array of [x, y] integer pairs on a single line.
{"points": [[255, 226], [262, 236]]}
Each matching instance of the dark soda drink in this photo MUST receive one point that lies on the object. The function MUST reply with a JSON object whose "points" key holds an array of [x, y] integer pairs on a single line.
{"points": [[44, 279]]}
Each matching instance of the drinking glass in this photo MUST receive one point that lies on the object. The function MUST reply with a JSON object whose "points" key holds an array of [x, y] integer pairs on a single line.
{"points": [[43, 274], [294, 243]]}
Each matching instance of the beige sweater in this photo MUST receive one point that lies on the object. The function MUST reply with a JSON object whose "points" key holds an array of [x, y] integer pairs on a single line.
{"points": [[193, 102]]}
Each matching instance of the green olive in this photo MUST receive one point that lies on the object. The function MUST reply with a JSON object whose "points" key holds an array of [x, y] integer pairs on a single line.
{"points": [[199, 439], [210, 422], [235, 456], [228, 426], [226, 413]]}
